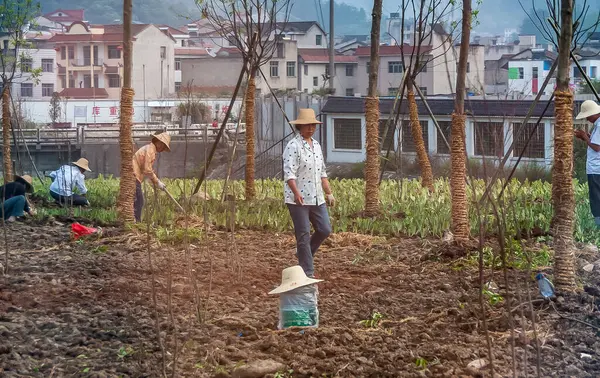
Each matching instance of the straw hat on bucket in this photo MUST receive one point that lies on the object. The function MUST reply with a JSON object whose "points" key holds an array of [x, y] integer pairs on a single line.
{"points": [[25, 180], [293, 278], [306, 117], [164, 138], [588, 109], [83, 163]]}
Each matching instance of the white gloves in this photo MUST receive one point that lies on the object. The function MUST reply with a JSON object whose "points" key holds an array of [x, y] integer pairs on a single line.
{"points": [[161, 185]]}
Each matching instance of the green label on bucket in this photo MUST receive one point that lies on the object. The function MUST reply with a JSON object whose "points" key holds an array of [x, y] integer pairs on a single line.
{"points": [[298, 318]]}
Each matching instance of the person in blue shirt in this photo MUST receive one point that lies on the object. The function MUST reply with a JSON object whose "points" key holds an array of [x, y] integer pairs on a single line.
{"points": [[68, 178], [591, 111], [15, 203]]}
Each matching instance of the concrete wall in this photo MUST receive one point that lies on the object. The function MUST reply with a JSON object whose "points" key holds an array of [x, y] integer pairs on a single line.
{"points": [[211, 72]]}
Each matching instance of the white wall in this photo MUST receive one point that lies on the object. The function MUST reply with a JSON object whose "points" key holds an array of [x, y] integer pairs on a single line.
{"points": [[524, 85], [345, 156], [308, 40], [314, 70]]}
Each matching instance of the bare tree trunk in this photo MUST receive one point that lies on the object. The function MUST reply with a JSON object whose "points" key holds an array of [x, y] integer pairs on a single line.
{"points": [[372, 118], [417, 134], [562, 169], [7, 160], [458, 153], [250, 143], [127, 182]]}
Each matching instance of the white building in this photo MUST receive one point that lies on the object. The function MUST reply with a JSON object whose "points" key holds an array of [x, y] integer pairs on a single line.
{"points": [[527, 71], [315, 72], [307, 34]]}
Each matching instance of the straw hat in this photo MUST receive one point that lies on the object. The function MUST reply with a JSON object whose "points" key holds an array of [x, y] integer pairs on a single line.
{"points": [[293, 278], [83, 163], [25, 180], [306, 117], [164, 138], [588, 109]]}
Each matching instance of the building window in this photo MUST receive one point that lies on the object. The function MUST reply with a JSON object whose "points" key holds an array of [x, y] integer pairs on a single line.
{"points": [[423, 90], [468, 67], [423, 66], [534, 73], [315, 81], [347, 134], [349, 70], [280, 50], [318, 39], [535, 149], [593, 72], [388, 142], [47, 65], [114, 81], [392, 91], [349, 91], [26, 65], [489, 138], [274, 68], [26, 90], [87, 81], [291, 69], [521, 73], [306, 69], [47, 90], [442, 147], [394, 67], [177, 64], [71, 81], [63, 53], [408, 142], [163, 52], [114, 52], [177, 86], [368, 67], [71, 52], [327, 70]]}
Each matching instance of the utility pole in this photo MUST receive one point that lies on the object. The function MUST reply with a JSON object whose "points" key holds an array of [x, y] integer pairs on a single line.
{"points": [[331, 46]]}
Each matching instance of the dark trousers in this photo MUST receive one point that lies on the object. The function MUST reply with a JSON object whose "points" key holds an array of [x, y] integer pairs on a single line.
{"points": [[77, 199], [307, 245], [594, 188], [14, 207], [138, 203]]}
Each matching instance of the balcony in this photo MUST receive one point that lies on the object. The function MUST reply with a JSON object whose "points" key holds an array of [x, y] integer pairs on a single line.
{"points": [[81, 64]]}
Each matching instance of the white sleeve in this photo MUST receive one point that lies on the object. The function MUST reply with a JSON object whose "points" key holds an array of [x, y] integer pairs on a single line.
{"points": [[595, 137], [291, 160]]}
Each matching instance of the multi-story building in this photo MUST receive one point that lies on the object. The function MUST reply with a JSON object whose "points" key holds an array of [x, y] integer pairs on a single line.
{"points": [[527, 71], [90, 61], [282, 70], [306, 34], [60, 19], [314, 64]]}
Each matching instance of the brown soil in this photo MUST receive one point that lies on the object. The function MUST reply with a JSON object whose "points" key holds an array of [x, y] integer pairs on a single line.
{"points": [[85, 309]]}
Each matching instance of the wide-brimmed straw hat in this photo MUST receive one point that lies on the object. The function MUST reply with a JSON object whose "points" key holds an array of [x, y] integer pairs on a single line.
{"points": [[83, 163], [293, 278], [306, 117], [164, 138], [588, 109], [25, 180]]}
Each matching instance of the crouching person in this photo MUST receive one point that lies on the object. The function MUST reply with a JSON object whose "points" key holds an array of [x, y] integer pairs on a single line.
{"points": [[68, 178], [15, 202]]}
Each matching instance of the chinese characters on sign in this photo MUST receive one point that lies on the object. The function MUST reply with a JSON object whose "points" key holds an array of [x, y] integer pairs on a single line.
{"points": [[113, 111]]}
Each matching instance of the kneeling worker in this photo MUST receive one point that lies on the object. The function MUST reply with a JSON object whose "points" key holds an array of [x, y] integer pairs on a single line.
{"points": [[68, 178], [15, 203], [143, 161]]}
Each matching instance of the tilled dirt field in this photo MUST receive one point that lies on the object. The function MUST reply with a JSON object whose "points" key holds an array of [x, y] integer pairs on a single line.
{"points": [[86, 309]]}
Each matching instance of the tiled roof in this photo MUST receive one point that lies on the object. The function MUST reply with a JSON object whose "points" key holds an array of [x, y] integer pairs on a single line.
{"points": [[69, 15], [61, 38], [443, 107], [84, 93], [313, 52], [325, 58], [297, 27], [391, 50], [191, 51], [172, 30]]}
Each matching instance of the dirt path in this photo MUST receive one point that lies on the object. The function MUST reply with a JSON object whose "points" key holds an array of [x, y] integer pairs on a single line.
{"points": [[85, 309]]}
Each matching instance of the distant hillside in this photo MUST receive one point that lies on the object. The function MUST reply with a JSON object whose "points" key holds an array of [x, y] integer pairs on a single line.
{"points": [[348, 19]]}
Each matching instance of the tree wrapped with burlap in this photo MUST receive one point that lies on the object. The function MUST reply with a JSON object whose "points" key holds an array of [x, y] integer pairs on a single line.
{"points": [[127, 182], [417, 134], [458, 186], [372, 163]]}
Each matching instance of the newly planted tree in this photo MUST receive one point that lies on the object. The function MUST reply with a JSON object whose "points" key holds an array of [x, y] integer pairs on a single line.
{"points": [[127, 182], [458, 155], [16, 17], [255, 28], [372, 118]]}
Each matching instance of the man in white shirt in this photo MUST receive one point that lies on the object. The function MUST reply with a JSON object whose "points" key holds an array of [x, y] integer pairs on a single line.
{"points": [[68, 178], [591, 111]]}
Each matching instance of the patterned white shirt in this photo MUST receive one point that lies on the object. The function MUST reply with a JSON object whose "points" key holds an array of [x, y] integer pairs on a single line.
{"points": [[307, 166]]}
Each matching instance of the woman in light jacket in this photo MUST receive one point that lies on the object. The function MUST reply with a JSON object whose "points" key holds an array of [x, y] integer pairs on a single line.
{"points": [[307, 189]]}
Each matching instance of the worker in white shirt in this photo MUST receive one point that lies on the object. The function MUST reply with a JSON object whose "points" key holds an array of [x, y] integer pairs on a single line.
{"points": [[67, 179], [307, 189]]}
